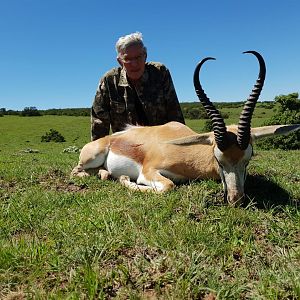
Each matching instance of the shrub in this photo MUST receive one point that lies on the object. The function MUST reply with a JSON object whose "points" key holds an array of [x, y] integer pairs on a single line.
{"points": [[194, 112], [224, 115], [53, 135], [288, 142], [287, 112], [208, 126]]}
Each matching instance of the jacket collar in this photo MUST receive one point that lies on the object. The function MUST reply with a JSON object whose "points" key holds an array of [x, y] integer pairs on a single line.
{"points": [[123, 81]]}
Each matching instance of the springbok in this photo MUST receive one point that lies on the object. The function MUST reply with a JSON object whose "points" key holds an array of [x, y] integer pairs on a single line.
{"points": [[153, 158]]}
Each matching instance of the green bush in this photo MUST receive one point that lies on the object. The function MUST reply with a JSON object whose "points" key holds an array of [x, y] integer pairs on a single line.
{"points": [[194, 112], [287, 111], [285, 117], [53, 135], [208, 126], [288, 142]]}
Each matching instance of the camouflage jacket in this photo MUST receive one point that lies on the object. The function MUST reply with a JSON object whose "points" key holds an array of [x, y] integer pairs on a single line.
{"points": [[118, 103]]}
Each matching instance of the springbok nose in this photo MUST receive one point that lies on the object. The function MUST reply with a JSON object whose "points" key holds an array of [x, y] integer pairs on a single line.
{"points": [[235, 198]]}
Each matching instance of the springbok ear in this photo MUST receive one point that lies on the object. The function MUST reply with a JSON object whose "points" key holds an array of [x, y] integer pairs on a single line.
{"points": [[203, 139], [261, 132]]}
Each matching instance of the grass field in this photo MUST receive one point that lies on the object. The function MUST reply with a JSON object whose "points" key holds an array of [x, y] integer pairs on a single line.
{"points": [[62, 238]]}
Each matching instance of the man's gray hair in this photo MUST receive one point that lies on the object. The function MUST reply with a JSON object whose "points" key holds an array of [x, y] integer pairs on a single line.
{"points": [[129, 40]]}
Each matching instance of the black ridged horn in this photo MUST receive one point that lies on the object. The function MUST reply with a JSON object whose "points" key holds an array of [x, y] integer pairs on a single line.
{"points": [[244, 126], [218, 124]]}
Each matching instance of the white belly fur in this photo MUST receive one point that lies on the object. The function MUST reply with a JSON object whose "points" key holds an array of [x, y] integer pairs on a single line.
{"points": [[119, 165]]}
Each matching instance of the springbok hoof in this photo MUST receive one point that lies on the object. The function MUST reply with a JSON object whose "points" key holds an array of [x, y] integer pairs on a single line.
{"points": [[103, 174], [78, 173], [123, 179]]}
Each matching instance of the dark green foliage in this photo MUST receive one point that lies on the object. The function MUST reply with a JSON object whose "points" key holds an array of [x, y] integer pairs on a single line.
{"points": [[30, 111], [54, 136], [195, 113], [288, 102], [266, 104], [67, 112], [208, 126], [288, 142], [195, 110], [224, 115], [11, 112], [287, 111]]}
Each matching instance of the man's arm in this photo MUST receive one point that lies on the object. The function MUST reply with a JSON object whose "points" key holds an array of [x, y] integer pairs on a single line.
{"points": [[100, 116], [173, 107]]}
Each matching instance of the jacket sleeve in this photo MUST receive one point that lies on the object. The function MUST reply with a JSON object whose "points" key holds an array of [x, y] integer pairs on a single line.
{"points": [[100, 112], [174, 112]]}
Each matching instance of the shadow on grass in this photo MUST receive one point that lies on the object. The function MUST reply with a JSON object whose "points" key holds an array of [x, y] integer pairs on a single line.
{"points": [[265, 193]]}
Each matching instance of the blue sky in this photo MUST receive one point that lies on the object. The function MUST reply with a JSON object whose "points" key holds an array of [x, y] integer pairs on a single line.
{"points": [[53, 53]]}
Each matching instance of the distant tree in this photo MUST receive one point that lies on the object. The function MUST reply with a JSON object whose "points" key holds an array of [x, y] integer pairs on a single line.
{"points": [[11, 112], [194, 113], [195, 110], [30, 111], [67, 111], [288, 102], [287, 110]]}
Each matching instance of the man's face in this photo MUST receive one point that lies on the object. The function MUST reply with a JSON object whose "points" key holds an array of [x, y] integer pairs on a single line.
{"points": [[133, 60]]}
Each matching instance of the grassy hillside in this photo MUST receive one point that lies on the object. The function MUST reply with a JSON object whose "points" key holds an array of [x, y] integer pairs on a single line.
{"points": [[62, 238]]}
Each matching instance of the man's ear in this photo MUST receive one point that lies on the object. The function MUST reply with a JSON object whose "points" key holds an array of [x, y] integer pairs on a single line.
{"points": [[120, 61]]}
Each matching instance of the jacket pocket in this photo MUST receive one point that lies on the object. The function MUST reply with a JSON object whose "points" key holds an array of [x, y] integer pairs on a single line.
{"points": [[117, 107]]}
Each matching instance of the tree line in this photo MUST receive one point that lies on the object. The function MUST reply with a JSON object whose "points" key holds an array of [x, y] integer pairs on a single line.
{"points": [[286, 111], [33, 111], [191, 110]]}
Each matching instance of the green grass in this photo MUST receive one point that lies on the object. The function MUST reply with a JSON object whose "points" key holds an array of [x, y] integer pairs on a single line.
{"points": [[90, 239]]}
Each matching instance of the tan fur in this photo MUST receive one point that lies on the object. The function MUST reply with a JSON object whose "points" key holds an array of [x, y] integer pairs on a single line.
{"points": [[147, 145], [158, 155]]}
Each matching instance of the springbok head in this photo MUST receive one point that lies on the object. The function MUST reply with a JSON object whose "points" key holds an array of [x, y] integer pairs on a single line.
{"points": [[233, 148]]}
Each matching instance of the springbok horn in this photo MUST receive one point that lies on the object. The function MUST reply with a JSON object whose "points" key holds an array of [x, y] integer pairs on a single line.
{"points": [[218, 124], [244, 126]]}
